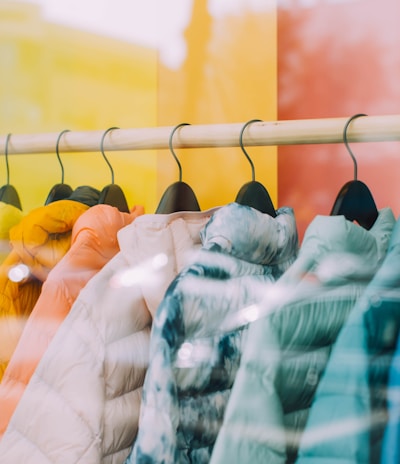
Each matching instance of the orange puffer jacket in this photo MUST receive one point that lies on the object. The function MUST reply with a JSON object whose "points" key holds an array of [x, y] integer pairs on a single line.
{"points": [[38, 242], [94, 243]]}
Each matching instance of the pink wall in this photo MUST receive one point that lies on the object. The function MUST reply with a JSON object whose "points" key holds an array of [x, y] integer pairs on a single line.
{"points": [[336, 59]]}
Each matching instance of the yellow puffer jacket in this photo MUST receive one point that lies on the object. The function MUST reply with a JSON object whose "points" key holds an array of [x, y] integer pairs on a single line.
{"points": [[38, 242], [9, 217]]}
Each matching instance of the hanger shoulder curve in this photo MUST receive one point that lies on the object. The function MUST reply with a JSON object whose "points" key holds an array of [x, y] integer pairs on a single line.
{"points": [[254, 194], [356, 203], [179, 196], [58, 192], [113, 195], [9, 195]]}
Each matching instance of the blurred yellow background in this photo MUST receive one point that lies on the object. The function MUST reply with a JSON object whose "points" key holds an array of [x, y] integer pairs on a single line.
{"points": [[86, 65]]}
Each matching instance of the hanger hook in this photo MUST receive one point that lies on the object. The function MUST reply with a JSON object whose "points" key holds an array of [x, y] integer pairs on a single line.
{"points": [[172, 149], [347, 143], [104, 155], [6, 156], [58, 152], [253, 174]]}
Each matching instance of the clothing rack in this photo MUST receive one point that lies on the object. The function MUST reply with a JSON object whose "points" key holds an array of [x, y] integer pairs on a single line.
{"points": [[266, 133]]}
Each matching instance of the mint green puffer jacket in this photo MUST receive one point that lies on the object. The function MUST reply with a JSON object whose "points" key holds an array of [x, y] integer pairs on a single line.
{"points": [[288, 347]]}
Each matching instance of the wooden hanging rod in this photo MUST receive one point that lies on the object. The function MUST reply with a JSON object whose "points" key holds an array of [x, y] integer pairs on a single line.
{"points": [[267, 133]]}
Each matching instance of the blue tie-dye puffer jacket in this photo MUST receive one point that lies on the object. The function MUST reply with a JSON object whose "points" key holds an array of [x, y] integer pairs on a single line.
{"points": [[192, 361]]}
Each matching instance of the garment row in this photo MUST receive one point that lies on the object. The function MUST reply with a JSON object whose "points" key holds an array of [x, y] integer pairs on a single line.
{"points": [[197, 337]]}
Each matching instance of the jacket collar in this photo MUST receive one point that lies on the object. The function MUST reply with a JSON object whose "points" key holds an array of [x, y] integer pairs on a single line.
{"points": [[247, 234], [334, 248]]}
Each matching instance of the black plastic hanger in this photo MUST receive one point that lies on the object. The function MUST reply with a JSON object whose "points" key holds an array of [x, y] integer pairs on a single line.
{"points": [[62, 190], [112, 194], [84, 194], [253, 193], [354, 200], [179, 196], [8, 193]]}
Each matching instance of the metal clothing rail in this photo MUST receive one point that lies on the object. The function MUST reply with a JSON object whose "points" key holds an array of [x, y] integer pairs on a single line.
{"points": [[266, 133]]}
